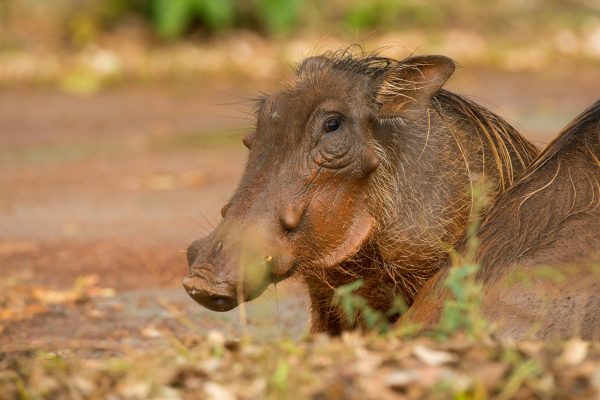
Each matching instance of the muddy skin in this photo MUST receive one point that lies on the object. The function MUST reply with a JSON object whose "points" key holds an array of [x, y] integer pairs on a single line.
{"points": [[540, 245], [361, 167]]}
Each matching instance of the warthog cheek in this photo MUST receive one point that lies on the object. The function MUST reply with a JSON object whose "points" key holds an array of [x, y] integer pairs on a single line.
{"points": [[356, 236]]}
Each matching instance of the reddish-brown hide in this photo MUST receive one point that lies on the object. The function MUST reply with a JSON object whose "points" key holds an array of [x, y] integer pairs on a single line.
{"points": [[361, 167], [540, 245]]}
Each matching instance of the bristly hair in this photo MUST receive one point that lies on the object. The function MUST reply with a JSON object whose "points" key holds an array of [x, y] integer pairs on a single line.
{"points": [[568, 172], [354, 59], [569, 133], [505, 144]]}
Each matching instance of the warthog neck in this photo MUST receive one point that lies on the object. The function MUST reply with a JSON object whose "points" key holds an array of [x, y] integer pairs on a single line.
{"points": [[431, 170], [421, 198]]}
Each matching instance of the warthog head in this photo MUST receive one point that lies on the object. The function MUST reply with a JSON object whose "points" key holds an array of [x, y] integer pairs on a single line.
{"points": [[305, 199]]}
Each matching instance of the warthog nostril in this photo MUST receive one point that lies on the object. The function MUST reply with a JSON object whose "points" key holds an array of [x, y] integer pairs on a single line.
{"points": [[291, 216], [192, 252]]}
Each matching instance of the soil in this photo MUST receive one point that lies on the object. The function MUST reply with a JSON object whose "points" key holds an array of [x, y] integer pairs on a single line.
{"points": [[117, 184]]}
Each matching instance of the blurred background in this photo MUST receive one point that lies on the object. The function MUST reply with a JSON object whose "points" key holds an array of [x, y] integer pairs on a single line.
{"points": [[121, 125]]}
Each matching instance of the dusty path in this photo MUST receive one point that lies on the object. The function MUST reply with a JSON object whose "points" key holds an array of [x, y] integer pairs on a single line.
{"points": [[117, 184]]}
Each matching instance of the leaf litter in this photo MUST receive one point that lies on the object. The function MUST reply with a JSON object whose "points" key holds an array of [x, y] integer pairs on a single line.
{"points": [[353, 366]]}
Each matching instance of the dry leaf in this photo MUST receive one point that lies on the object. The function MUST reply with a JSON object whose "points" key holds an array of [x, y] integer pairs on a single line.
{"points": [[400, 379], [575, 351], [215, 391], [433, 357], [150, 332]]}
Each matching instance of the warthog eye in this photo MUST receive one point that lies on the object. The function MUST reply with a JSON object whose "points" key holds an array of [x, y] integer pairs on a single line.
{"points": [[332, 124]]}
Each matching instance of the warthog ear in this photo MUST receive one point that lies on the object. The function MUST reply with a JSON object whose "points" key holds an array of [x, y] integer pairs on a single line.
{"points": [[407, 89]]}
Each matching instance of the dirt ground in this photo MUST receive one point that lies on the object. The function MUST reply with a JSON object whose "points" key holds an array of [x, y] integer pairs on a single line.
{"points": [[112, 187]]}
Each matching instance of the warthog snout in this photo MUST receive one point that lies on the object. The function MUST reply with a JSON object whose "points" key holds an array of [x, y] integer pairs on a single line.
{"points": [[214, 297], [233, 265]]}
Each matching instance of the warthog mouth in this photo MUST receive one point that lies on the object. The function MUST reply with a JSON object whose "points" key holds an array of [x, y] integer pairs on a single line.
{"points": [[222, 280], [214, 297], [224, 296]]}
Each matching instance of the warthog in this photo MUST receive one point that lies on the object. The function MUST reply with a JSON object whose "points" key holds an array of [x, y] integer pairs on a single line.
{"points": [[361, 167], [540, 245]]}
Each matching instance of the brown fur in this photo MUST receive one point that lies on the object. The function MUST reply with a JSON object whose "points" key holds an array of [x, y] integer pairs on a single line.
{"points": [[456, 143], [382, 197], [540, 244]]}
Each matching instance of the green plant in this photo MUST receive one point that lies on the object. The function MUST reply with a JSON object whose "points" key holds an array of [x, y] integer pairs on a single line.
{"points": [[172, 18], [356, 307], [279, 379], [278, 16], [523, 370], [463, 309], [389, 14]]}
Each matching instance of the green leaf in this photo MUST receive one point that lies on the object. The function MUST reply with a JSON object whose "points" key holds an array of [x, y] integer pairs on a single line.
{"points": [[280, 376], [171, 17], [216, 14], [279, 16], [361, 16]]}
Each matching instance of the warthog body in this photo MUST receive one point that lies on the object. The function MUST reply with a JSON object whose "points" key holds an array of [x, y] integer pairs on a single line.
{"points": [[362, 167], [540, 245]]}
